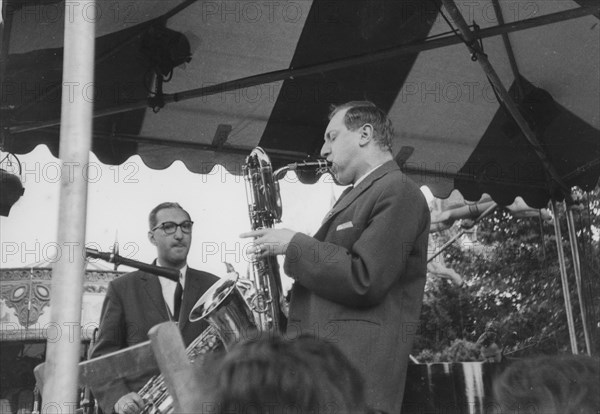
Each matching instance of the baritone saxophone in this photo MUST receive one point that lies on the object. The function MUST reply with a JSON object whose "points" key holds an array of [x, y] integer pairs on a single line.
{"points": [[255, 302]]}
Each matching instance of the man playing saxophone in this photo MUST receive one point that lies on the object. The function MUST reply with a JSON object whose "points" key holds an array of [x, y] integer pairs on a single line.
{"points": [[359, 281], [137, 301]]}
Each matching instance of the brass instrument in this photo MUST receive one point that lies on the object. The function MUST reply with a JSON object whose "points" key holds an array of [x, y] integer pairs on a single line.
{"points": [[264, 208], [235, 306], [261, 290], [155, 394], [229, 316], [225, 308]]}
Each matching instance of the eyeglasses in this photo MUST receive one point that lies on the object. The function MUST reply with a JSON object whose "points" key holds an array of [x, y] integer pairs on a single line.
{"points": [[169, 227]]}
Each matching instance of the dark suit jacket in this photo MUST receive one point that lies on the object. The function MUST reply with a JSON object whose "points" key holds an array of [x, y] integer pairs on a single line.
{"points": [[134, 304], [360, 279]]}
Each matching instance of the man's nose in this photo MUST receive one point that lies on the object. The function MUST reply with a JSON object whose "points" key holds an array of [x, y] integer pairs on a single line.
{"points": [[178, 233], [325, 150]]}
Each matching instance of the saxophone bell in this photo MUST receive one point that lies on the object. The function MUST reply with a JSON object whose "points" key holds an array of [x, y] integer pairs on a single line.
{"points": [[262, 190]]}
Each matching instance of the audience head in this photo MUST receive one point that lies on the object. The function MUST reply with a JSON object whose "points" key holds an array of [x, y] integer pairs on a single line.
{"points": [[275, 375], [567, 384]]}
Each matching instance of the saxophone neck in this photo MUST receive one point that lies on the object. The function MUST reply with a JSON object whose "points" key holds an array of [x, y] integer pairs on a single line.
{"points": [[281, 172], [319, 167]]}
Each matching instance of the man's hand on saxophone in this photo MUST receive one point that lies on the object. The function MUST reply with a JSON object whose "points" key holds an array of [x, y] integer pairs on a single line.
{"points": [[269, 242], [130, 403]]}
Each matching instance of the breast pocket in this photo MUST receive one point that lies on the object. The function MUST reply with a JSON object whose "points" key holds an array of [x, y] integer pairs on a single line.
{"points": [[345, 236]]}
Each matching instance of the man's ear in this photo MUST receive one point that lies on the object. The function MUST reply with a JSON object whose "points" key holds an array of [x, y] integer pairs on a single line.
{"points": [[366, 134], [151, 237]]}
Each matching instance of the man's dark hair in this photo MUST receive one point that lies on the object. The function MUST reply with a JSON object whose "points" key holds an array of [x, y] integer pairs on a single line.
{"points": [[152, 221], [566, 384], [366, 112], [276, 375]]}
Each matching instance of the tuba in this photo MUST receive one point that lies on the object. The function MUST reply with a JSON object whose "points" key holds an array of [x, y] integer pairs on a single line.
{"points": [[155, 394], [223, 306]]}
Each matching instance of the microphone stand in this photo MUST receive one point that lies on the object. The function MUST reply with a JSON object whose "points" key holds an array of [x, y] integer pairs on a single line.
{"points": [[172, 274]]}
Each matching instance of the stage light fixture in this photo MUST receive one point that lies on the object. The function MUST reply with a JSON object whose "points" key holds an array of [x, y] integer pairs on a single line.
{"points": [[11, 191]]}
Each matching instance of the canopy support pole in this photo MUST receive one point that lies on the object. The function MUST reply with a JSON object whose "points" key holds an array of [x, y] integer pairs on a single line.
{"points": [[563, 276], [61, 374], [471, 42], [577, 271]]}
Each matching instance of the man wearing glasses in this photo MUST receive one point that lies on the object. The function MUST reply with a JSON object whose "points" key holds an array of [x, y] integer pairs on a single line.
{"points": [[137, 301]]}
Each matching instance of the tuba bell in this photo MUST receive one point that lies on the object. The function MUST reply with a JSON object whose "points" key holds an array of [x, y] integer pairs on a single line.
{"points": [[225, 309]]}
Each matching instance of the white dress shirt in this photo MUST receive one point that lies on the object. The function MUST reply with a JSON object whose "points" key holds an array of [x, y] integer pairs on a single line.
{"points": [[362, 177]]}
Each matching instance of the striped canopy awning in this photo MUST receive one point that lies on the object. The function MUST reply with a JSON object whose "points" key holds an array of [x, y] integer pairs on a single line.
{"points": [[265, 73]]}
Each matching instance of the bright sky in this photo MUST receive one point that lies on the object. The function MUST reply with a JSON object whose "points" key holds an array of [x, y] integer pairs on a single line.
{"points": [[120, 198]]}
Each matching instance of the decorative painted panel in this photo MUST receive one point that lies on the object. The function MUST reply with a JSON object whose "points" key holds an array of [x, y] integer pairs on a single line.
{"points": [[25, 302]]}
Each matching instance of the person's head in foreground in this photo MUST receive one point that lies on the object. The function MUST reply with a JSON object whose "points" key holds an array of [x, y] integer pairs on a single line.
{"points": [[558, 384], [274, 375]]}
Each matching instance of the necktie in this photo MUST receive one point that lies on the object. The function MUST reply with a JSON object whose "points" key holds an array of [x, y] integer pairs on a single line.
{"points": [[177, 300]]}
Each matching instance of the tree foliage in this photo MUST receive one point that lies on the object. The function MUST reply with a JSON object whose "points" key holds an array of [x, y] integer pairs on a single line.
{"points": [[512, 279]]}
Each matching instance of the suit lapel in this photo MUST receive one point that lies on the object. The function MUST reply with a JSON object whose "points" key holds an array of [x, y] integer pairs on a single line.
{"points": [[154, 293], [356, 191], [336, 204]]}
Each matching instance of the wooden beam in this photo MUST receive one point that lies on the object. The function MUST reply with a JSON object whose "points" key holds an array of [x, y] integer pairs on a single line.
{"points": [[133, 361], [185, 387]]}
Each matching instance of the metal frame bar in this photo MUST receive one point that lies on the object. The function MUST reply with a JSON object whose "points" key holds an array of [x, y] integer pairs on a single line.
{"points": [[509, 50], [577, 272], [564, 279], [285, 74], [487, 212], [471, 42], [143, 26]]}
